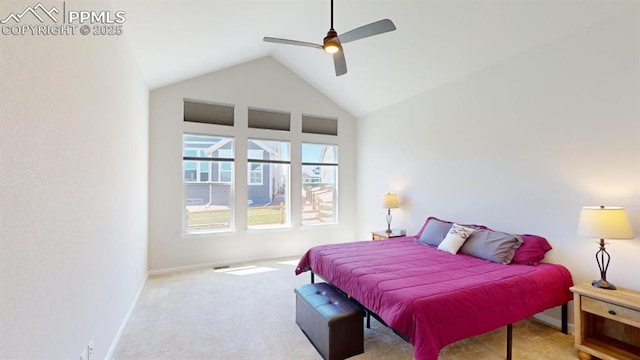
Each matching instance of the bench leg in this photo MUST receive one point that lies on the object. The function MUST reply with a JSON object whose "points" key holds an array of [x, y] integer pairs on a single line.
{"points": [[509, 340], [312, 277], [368, 320]]}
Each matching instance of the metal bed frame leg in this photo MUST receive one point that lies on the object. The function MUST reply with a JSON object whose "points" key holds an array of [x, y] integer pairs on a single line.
{"points": [[565, 318], [564, 329], [509, 340], [313, 279]]}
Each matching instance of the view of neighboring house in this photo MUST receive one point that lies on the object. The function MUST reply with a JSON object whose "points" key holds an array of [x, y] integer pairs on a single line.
{"points": [[208, 182], [208, 172]]}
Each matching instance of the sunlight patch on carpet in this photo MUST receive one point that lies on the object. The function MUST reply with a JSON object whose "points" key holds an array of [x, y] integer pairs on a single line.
{"points": [[289, 262], [227, 269], [246, 270]]}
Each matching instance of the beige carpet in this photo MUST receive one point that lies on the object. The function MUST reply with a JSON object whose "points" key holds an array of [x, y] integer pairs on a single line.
{"points": [[249, 314]]}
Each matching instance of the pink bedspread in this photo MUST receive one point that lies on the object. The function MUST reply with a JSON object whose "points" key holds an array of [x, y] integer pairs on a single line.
{"points": [[435, 298]]}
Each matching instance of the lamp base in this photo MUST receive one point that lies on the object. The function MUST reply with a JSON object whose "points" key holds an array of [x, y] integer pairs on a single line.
{"points": [[603, 284], [389, 231]]}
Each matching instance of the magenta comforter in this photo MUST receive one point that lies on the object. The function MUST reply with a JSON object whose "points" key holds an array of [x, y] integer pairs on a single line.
{"points": [[435, 298]]}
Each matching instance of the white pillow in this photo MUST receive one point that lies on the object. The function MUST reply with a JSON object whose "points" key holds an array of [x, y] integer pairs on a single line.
{"points": [[456, 236]]}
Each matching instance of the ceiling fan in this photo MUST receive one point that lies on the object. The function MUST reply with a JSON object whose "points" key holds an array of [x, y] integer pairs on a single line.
{"points": [[332, 43]]}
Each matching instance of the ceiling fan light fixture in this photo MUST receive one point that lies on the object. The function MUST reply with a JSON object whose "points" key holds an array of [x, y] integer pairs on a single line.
{"points": [[332, 48], [331, 43]]}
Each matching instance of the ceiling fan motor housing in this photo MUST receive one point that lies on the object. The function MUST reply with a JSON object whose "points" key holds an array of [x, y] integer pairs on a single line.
{"points": [[331, 42]]}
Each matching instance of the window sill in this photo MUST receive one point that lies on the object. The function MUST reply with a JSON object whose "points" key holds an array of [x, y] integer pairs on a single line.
{"points": [[286, 227], [207, 234], [319, 225]]}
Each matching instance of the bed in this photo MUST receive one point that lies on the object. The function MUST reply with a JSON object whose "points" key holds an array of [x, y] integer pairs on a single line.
{"points": [[433, 298]]}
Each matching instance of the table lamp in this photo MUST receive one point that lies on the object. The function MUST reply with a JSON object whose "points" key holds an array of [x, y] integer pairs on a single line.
{"points": [[604, 223], [389, 201]]}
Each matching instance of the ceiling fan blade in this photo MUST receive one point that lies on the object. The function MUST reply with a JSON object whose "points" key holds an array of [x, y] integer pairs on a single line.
{"points": [[292, 42], [340, 63], [375, 28]]}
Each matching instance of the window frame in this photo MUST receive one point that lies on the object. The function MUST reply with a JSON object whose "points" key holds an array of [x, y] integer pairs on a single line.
{"points": [[203, 161]]}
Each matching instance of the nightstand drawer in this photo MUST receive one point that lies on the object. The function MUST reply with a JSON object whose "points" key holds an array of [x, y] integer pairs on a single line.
{"points": [[611, 311]]}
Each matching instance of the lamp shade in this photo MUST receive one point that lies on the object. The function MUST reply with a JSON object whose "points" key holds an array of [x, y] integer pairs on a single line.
{"points": [[390, 201], [605, 222]]}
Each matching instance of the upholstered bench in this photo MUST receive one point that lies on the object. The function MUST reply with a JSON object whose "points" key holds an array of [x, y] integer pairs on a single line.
{"points": [[332, 322]]}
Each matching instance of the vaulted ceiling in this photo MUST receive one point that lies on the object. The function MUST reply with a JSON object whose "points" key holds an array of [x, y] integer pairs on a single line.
{"points": [[436, 41]]}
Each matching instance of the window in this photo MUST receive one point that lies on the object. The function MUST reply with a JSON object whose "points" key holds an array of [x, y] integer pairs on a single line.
{"points": [[256, 170], [207, 163], [255, 174], [225, 168], [268, 183], [209, 174], [319, 184]]}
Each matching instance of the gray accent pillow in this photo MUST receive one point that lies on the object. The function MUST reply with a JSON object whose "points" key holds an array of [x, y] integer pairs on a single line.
{"points": [[456, 236], [492, 245], [434, 232]]}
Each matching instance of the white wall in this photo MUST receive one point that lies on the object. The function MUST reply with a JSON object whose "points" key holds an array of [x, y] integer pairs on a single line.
{"points": [[262, 83], [520, 146], [73, 193]]}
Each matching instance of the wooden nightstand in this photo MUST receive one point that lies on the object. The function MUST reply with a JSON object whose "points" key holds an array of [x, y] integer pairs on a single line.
{"points": [[607, 323], [382, 234]]}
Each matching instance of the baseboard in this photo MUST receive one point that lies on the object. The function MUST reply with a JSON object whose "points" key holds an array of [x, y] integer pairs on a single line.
{"points": [[186, 268], [553, 322], [125, 321]]}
